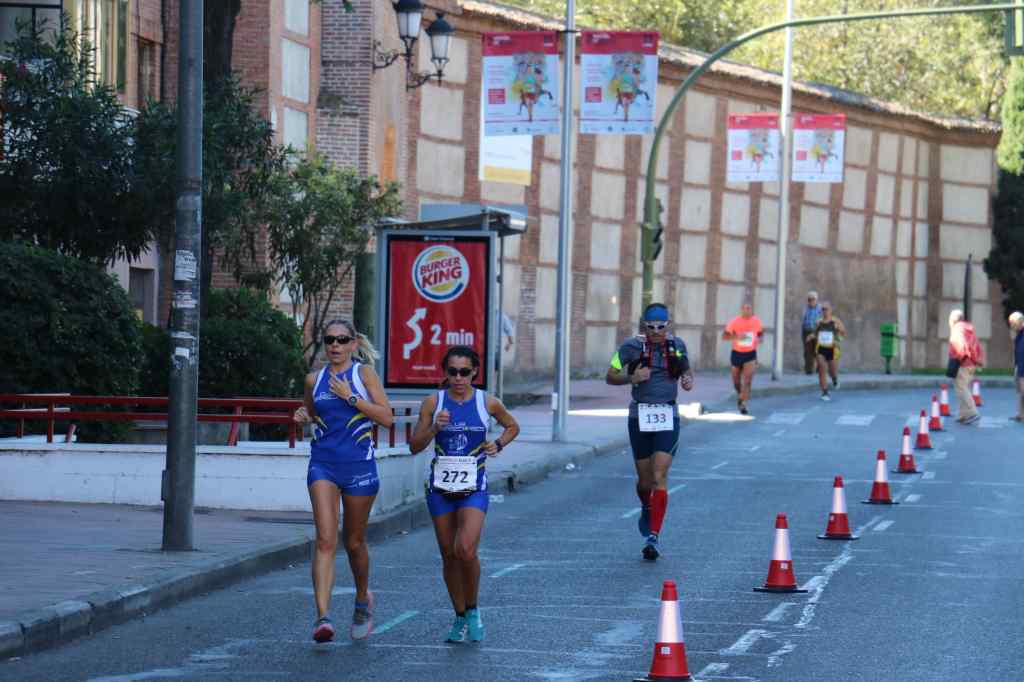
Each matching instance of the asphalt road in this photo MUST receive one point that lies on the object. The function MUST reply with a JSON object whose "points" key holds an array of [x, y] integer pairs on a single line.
{"points": [[934, 589]]}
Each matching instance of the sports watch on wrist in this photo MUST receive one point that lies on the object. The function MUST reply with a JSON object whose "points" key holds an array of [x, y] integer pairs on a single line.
{"points": [[353, 399]]}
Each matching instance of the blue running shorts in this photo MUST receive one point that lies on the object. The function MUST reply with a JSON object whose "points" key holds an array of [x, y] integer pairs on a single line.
{"points": [[439, 504], [352, 478]]}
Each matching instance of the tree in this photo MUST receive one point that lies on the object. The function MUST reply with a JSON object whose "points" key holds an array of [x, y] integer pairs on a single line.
{"points": [[317, 232], [1005, 262], [240, 161], [67, 175]]}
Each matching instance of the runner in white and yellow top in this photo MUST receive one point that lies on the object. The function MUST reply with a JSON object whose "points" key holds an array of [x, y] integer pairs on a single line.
{"points": [[827, 335]]}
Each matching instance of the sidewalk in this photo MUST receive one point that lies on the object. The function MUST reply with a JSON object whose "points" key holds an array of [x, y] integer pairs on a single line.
{"points": [[70, 569]]}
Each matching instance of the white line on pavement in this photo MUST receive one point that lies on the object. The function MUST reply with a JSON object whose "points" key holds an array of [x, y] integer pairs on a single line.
{"points": [[928, 475], [397, 620], [508, 569], [712, 669], [911, 498], [719, 465], [780, 432], [939, 454], [743, 644], [883, 525], [855, 420], [776, 614], [636, 510], [790, 418]]}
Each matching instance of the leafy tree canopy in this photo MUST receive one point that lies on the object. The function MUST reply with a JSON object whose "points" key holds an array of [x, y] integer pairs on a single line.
{"points": [[950, 65], [1005, 262]]}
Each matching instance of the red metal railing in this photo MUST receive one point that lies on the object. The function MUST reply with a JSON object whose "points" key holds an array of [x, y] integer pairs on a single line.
{"points": [[61, 407]]}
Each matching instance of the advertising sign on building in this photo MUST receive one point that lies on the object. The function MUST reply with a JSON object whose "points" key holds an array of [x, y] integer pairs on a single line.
{"points": [[619, 80], [507, 158], [753, 148], [520, 83], [818, 144], [437, 296]]}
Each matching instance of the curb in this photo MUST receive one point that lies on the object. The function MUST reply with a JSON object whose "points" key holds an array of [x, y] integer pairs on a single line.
{"points": [[53, 625], [574, 453]]}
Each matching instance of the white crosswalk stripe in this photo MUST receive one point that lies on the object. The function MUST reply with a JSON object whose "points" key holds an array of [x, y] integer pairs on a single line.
{"points": [[855, 420], [786, 417], [993, 423]]}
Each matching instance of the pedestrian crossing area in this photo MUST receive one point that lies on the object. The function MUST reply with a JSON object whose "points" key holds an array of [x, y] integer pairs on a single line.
{"points": [[866, 420]]}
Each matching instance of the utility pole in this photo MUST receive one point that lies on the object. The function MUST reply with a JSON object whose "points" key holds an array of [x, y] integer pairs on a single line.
{"points": [[786, 122], [560, 398], [178, 483]]}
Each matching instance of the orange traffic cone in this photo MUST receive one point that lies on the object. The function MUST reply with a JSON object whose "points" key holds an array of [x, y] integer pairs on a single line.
{"points": [[838, 523], [780, 571], [936, 421], [669, 651], [924, 441], [976, 392], [944, 402], [907, 465], [880, 490]]}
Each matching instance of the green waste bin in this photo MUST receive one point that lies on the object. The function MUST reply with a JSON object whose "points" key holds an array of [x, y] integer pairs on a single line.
{"points": [[889, 344]]}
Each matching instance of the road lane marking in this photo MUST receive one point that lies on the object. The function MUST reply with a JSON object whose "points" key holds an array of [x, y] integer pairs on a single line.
{"points": [[777, 614], [636, 510], [779, 433], [912, 498], [719, 465], [883, 525], [928, 475], [992, 423], [397, 620], [855, 420], [712, 669], [789, 418], [743, 644], [939, 454], [508, 569]]}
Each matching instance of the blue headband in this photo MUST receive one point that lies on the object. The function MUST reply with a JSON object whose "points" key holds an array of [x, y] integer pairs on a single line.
{"points": [[656, 313]]}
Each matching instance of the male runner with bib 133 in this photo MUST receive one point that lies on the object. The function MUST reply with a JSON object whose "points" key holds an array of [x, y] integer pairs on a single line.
{"points": [[456, 419], [655, 364]]}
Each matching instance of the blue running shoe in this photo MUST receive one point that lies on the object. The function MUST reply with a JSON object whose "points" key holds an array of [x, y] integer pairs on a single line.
{"points": [[458, 632], [476, 625], [643, 524], [650, 550], [362, 619]]}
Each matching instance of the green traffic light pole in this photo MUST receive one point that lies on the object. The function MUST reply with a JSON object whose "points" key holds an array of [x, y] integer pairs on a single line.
{"points": [[652, 218]]}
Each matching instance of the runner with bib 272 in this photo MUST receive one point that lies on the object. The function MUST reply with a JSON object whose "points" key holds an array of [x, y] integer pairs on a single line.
{"points": [[655, 364], [456, 418]]}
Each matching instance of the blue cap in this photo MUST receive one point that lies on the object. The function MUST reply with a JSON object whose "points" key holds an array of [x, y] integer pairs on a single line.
{"points": [[656, 313]]}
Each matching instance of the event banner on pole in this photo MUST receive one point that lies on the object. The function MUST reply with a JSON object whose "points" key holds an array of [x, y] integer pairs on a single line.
{"points": [[619, 80], [437, 297], [506, 158], [818, 144], [753, 148], [520, 83]]}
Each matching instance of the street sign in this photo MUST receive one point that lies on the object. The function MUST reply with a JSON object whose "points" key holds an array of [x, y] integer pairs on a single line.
{"points": [[1015, 31]]}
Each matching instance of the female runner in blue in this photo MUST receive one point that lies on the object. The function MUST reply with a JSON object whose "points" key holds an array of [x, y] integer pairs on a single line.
{"points": [[343, 401], [456, 419]]}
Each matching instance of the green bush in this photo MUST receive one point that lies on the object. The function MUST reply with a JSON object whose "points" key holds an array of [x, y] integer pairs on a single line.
{"points": [[66, 326], [247, 348]]}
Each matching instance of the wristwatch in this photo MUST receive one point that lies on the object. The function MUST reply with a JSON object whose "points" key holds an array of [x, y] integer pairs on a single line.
{"points": [[353, 399], [497, 444]]}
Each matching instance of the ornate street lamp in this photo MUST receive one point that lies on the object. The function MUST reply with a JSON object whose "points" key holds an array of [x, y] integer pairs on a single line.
{"points": [[409, 14]]}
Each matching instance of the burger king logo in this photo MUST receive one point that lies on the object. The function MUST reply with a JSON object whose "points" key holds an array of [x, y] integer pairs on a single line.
{"points": [[440, 273]]}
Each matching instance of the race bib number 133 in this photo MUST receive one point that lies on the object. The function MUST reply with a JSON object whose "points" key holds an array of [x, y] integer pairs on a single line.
{"points": [[655, 417]]}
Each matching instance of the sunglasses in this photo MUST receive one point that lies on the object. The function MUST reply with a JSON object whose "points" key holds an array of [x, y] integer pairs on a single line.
{"points": [[328, 339], [460, 371], [656, 326]]}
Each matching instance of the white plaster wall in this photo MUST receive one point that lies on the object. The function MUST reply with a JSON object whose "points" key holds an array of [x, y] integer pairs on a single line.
{"points": [[610, 151], [502, 192], [903, 277], [664, 153], [962, 204], [691, 298], [881, 236], [858, 145], [814, 226], [854, 188], [966, 164], [700, 114], [698, 163], [885, 193], [768, 219], [817, 192], [766, 265], [602, 298], [601, 343], [904, 233], [696, 209], [909, 155], [921, 241], [606, 244], [920, 278], [955, 242], [851, 232], [692, 253], [547, 285], [550, 186], [458, 59], [730, 298], [548, 252], [608, 195], [440, 168], [735, 213], [510, 288], [906, 198], [544, 345], [734, 259], [888, 151], [436, 112]]}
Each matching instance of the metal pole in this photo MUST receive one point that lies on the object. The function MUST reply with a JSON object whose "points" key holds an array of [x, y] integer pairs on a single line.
{"points": [[786, 130], [967, 288], [560, 399], [178, 489]]}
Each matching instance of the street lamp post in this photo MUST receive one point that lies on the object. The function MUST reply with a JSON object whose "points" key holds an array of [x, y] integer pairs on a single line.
{"points": [[409, 15]]}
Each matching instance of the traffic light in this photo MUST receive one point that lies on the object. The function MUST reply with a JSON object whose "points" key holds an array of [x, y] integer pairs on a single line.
{"points": [[1015, 30]]}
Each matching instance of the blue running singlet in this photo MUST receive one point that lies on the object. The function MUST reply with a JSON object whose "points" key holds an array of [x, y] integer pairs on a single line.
{"points": [[465, 435], [342, 448]]}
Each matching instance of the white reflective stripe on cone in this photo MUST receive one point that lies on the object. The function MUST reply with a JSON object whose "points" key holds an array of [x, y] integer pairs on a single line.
{"points": [[880, 475], [781, 551], [670, 627], [935, 408], [924, 423], [906, 445], [838, 500]]}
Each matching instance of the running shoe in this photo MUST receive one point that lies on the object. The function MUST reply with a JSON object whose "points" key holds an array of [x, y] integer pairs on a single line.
{"points": [[972, 420], [323, 631], [362, 619], [643, 524], [743, 408], [650, 550], [458, 632], [824, 396], [476, 625], [835, 383]]}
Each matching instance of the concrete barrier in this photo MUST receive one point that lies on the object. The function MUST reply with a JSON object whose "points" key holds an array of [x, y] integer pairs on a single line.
{"points": [[270, 477]]}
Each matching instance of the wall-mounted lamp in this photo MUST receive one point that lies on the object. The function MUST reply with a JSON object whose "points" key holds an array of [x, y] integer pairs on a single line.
{"points": [[409, 14]]}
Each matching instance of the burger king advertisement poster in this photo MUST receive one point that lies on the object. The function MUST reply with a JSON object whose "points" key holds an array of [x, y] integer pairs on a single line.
{"points": [[438, 296]]}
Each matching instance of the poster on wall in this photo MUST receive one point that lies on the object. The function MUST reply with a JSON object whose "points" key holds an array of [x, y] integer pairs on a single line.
{"points": [[753, 148], [520, 92], [618, 81], [818, 145], [437, 296], [506, 158]]}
